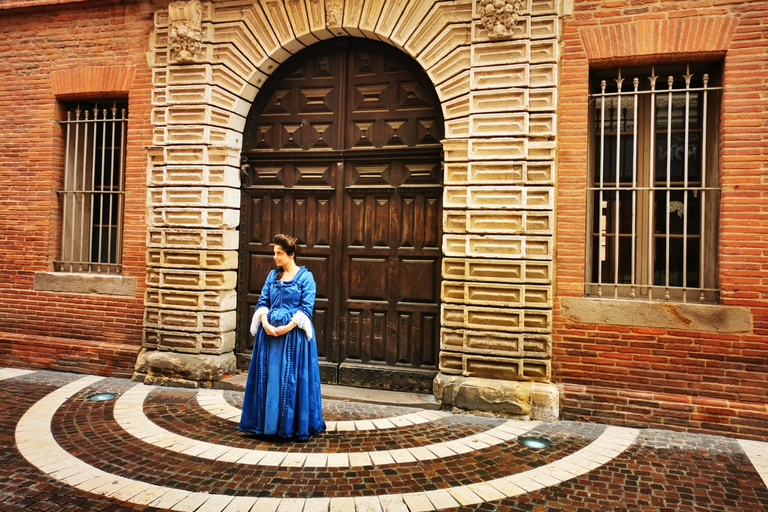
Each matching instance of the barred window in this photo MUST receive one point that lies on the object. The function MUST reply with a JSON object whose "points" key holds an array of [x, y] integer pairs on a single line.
{"points": [[92, 190], [653, 195]]}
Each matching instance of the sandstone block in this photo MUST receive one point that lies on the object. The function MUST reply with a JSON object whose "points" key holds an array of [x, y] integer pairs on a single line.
{"points": [[194, 155], [216, 197], [450, 38], [170, 238], [191, 279], [369, 16], [238, 34], [544, 27], [542, 125], [507, 247], [206, 300], [199, 175], [496, 343], [460, 59], [501, 222], [501, 148], [201, 369], [457, 128], [496, 319], [508, 124], [252, 15], [215, 218], [498, 100], [454, 86], [190, 321], [543, 7], [547, 50], [530, 198], [429, 26], [177, 258], [542, 100], [455, 150], [457, 107], [194, 342], [499, 53], [543, 75], [533, 400], [521, 271], [195, 134], [504, 295], [281, 23]]}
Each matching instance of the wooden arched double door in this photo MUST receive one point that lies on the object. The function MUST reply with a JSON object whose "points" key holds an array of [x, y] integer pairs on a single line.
{"points": [[342, 150]]}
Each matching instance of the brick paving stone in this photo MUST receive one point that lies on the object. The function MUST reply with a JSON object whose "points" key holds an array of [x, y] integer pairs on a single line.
{"points": [[660, 471]]}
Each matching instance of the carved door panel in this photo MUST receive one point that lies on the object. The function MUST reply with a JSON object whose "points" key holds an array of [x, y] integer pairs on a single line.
{"points": [[342, 150]]}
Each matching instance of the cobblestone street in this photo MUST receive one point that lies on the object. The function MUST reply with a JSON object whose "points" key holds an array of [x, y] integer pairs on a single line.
{"points": [[153, 448]]}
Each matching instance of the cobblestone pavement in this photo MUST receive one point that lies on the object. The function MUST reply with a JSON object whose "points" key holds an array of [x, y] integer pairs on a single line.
{"points": [[152, 448]]}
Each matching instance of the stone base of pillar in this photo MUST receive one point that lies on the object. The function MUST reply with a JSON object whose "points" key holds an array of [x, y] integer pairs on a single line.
{"points": [[163, 368], [526, 400]]}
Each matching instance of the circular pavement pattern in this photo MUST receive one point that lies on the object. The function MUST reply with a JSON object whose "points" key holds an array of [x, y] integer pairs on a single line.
{"points": [[178, 449]]}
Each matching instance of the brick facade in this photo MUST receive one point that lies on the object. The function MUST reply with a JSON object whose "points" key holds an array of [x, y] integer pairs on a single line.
{"points": [[514, 314], [674, 376], [50, 56]]}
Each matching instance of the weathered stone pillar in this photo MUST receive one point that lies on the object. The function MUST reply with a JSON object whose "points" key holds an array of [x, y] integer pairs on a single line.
{"points": [[193, 203], [496, 346]]}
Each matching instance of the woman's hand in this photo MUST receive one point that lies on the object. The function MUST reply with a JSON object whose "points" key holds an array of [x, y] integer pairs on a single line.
{"points": [[284, 329], [269, 329]]}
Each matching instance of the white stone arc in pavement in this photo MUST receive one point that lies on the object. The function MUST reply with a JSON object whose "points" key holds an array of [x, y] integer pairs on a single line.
{"points": [[36, 443], [9, 373], [129, 414], [757, 452], [212, 400]]}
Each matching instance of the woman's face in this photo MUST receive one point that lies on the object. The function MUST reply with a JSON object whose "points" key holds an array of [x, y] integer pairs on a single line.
{"points": [[281, 258]]}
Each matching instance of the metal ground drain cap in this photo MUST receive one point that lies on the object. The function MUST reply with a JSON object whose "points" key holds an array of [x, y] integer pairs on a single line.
{"points": [[537, 443], [102, 397]]}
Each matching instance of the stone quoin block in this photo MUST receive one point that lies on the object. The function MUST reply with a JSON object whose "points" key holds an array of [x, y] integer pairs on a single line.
{"points": [[498, 221], [456, 150], [499, 77], [277, 18], [543, 7], [430, 26], [450, 38], [239, 35], [190, 342], [458, 60], [542, 100], [496, 343], [413, 15], [194, 321], [454, 86], [542, 150], [177, 238], [498, 100], [508, 124], [195, 175], [543, 75], [193, 155], [496, 319], [244, 79], [500, 53], [542, 125], [191, 279], [455, 173], [521, 271], [220, 197], [207, 300], [490, 294], [198, 114], [498, 246], [457, 128], [369, 16], [545, 51], [457, 107], [501, 148], [176, 258], [194, 134], [252, 15], [506, 368], [215, 218], [544, 27]]}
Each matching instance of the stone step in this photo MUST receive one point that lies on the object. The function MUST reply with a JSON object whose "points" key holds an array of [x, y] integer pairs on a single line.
{"points": [[350, 394]]}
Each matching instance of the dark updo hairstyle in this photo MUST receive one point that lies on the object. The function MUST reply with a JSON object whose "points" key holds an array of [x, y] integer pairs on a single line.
{"points": [[288, 244]]}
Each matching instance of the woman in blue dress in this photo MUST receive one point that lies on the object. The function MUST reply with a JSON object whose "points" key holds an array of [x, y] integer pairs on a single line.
{"points": [[282, 392]]}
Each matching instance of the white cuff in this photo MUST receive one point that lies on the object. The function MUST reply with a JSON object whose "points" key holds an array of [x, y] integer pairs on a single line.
{"points": [[256, 320], [304, 323]]}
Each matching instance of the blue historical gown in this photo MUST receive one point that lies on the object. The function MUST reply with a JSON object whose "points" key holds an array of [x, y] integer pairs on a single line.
{"points": [[282, 392]]}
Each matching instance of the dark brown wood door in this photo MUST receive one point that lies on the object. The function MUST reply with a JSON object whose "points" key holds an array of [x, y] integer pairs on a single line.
{"points": [[342, 150]]}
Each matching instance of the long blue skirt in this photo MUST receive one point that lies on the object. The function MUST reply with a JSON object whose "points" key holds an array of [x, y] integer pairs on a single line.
{"points": [[282, 391]]}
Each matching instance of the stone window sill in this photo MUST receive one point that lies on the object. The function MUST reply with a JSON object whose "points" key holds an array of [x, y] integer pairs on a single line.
{"points": [[662, 315], [85, 283]]}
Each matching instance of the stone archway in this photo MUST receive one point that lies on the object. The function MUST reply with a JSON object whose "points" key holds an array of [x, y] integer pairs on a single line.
{"points": [[495, 73]]}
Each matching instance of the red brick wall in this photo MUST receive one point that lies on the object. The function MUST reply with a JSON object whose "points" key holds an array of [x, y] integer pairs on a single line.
{"points": [[642, 376], [90, 333]]}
